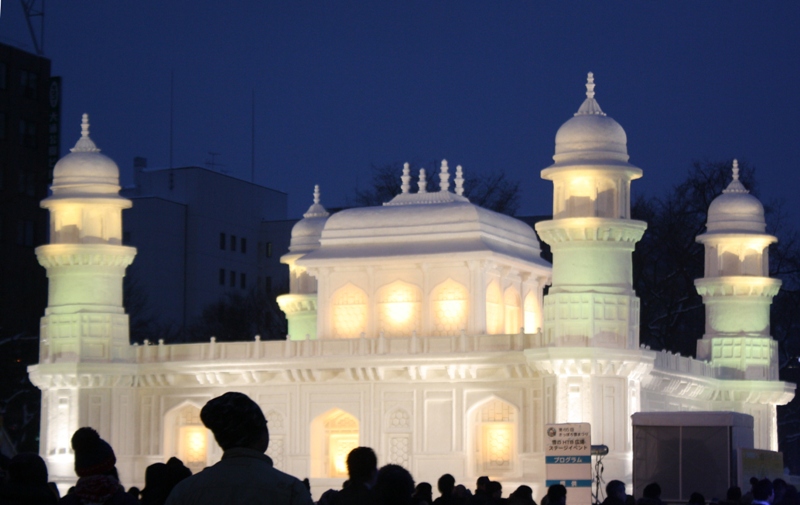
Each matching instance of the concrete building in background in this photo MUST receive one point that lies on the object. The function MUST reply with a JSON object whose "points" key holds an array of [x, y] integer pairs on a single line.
{"points": [[430, 338], [200, 234], [25, 134]]}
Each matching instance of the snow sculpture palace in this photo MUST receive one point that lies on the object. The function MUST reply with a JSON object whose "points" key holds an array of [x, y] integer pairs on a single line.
{"points": [[418, 328]]}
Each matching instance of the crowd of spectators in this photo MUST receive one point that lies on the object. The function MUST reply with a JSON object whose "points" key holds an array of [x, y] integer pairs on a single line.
{"points": [[245, 475]]}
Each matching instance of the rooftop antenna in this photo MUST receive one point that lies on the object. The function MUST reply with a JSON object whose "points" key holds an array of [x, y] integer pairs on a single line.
{"points": [[35, 9], [253, 137], [213, 163], [171, 110]]}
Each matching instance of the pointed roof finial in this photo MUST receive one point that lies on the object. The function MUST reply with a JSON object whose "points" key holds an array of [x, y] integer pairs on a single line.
{"points": [[590, 106], [590, 85], [406, 178], [316, 209], [423, 183], [459, 181], [444, 177], [736, 185], [85, 125], [85, 144]]}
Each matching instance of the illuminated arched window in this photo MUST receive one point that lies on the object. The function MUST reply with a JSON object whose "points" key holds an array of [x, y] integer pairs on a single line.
{"points": [[580, 196], [449, 308], [494, 309], [399, 309], [333, 435], [532, 322], [730, 263], [513, 311], [606, 198], [752, 263], [349, 306], [192, 438], [495, 435]]}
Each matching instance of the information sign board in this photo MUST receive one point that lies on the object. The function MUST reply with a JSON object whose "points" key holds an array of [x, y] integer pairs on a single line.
{"points": [[568, 460]]}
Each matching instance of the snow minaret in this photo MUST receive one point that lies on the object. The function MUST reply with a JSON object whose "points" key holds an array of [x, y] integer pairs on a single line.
{"points": [[85, 260], [591, 302], [736, 289], [300, 305]]}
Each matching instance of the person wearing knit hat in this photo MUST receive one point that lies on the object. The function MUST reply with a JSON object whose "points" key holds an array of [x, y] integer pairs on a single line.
{"points": [[95, 465], [245, 474]]}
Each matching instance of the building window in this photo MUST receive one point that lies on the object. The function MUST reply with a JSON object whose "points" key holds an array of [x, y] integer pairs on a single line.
{"points": [[221, 276], [25, 233], [26, 183], [233, 242], [233, 279], [244, 245], [269, 249], [222, 241], [27, 133], [243, 280], [268, 284], [28, 83]]}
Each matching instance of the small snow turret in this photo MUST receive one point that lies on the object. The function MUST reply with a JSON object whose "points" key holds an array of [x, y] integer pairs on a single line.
{"points": [[300, 305], [736, 288]]}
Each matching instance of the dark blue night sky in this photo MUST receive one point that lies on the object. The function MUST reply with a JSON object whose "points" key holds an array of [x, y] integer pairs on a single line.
{"points": [[342, 85]]}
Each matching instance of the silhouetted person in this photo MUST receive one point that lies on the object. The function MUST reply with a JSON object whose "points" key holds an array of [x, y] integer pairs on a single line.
{"points": [[245, 474], [423, 494], [523, 495], [461, 494], [615, 493], [697, 499], [445, 486], [557, 495], [495, 491], [362, 469], [481, 496], [160, 479], [733, 496], [651, 495], [779, 486], [26, 482], [135, 492], [98, 481], [393, 486], [763, 493]]}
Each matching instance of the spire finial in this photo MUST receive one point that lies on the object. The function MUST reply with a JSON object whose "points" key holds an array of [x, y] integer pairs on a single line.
{"points": [[423, 183], [406, 178], [590, 107], [85, 125], [316, 209], [85, 144], [736, 185], [444, 177], [459, 181]]}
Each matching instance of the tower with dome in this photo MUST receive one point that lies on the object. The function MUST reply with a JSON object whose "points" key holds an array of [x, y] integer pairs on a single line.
{"points": [[420, 328]]}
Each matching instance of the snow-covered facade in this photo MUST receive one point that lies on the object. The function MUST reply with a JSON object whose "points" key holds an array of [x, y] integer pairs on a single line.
{"points": [[418, 328]]}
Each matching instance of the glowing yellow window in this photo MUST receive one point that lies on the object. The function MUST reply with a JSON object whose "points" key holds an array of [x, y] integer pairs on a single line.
{"points": [[349, 305], [193, 445], [399, 309], [449, 307]]}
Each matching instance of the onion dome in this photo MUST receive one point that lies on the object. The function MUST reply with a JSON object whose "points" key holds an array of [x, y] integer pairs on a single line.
{"points": [[590, 134], [84, 169], [307, 232], [736, 209]]}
